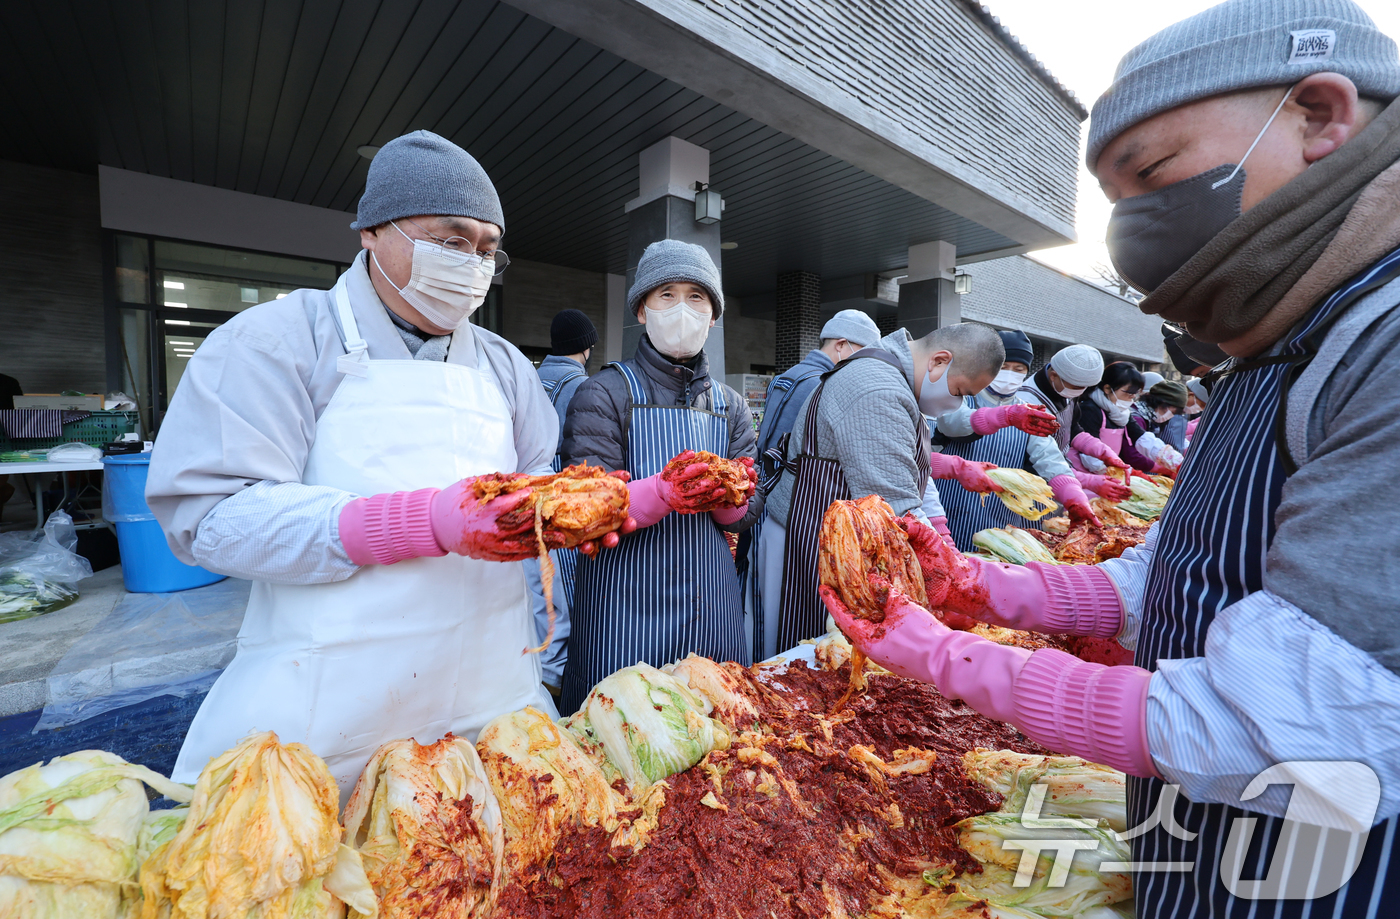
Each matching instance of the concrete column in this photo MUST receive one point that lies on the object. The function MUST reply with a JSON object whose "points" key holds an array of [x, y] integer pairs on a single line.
{"points": [[665, 209], [615, 317], [799, 317], [927, 300]]}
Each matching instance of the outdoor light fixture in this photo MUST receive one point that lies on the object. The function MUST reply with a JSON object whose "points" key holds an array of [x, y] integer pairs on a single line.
{"points": [[728, 246], [962, 283], [367, 151], [708, 204]]}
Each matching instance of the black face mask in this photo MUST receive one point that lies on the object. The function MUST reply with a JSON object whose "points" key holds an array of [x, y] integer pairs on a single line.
{"points": [[1187, 353], [1151, 236]]}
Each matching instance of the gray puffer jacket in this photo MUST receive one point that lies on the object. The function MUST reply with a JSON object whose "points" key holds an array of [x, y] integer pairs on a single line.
{"points": [[600, 413]]}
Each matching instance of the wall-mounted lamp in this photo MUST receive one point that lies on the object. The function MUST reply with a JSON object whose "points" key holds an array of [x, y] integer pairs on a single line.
{"points": [[962, 283], [367, 151], [708, 204]]}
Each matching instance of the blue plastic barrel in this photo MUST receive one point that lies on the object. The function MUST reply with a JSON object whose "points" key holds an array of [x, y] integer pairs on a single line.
{"points": [[148, 565]]}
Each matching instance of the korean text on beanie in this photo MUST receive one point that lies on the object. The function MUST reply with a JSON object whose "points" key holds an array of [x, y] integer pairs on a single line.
{"points": [[422, 173], [1244, 44]]}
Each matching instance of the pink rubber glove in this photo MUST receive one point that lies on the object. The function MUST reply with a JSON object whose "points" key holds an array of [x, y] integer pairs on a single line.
{"points": [[1068, 492], [648, 504], [1067, 599], [395, 526], [1069, 706], [1103, 486], [1029, 418], [724, 516], [940, 526], [969, 474], [1090, 445], [687, 487]]}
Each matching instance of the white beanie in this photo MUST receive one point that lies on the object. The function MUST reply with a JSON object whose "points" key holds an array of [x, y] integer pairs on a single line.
{"points": [[1080, 366], [855, 326], [1150, 379]]}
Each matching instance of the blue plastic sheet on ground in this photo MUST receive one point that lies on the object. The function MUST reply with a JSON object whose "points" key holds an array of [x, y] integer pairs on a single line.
{"points": [[150, 645]]}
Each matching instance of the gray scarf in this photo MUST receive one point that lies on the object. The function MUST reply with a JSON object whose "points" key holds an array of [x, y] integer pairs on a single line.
{"points": [[1239, 277]]}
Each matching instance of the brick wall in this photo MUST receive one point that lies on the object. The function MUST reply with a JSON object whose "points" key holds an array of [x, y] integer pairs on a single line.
{"points": [[535, 292], [799, 326], [747, 341], [52, 335]]}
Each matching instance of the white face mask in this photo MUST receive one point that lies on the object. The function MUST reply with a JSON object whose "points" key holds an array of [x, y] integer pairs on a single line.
{"points": [[1164, 415], [445, 286], [678, 332], [1123, 403], [1007, 382], [1070, 392], [935, 398]]}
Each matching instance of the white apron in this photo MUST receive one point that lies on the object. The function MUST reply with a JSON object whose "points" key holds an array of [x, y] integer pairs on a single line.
{"points": [[413, 649]]}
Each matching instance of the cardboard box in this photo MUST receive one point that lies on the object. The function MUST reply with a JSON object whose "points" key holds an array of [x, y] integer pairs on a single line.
{"points": [[91, 402]]}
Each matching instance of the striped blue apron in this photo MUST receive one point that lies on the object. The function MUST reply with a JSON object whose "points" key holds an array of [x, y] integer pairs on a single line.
{"points": [[565, 560], [1212, 541], [668, 589], [969, 512]]}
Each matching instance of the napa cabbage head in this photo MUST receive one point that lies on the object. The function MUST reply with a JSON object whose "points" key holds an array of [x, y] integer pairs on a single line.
{"points": [[69, 833], [650, 724], [1073, 787]]}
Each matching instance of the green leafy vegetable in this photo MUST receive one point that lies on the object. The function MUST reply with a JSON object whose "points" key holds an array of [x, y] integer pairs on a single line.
{"points": [[1147, 500], [650, 724], [69, 834], [1014, 545], [23, 596]]}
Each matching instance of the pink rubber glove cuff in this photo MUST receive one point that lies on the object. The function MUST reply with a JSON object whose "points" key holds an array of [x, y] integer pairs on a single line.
{"points": [[1066, 488], [1036, 597], [990, 419], [724, 516], [388, 528], [1088, 710], [647, 506]]}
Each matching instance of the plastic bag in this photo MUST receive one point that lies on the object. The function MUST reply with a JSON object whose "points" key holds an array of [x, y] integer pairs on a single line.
{"points": [[74, 453], [150, 645], [39, 572]]}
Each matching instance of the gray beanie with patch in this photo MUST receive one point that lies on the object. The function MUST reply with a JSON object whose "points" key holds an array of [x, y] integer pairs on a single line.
{"points": [[1244, 44], [422, 173], [668, 261]]}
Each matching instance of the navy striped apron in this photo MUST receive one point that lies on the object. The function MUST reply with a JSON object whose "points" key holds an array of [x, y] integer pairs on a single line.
{"points": [[818, 482], [565, 560], [1211, 547], [668, 589], [969, 512]]}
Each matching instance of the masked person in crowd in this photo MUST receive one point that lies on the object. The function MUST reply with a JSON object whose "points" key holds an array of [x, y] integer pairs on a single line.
{"points": [[571, 340], [863, 432], [1057, 387], [1197, 400], [671, 587], [1146, 441], [842, 336], [1105, 416], [305, 450], [994, 427], [1253, 155]]}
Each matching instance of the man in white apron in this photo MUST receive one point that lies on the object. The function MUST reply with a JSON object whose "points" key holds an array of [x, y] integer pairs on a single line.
{"points": [[391, 615]]}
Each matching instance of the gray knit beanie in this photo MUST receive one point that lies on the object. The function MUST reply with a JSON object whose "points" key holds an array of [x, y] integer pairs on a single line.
{"points": [[1244, 44], [667, 261], [422, 173], [1080, 366], [855, 326]]}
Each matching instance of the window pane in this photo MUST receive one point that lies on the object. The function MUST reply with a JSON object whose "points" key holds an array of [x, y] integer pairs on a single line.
{"points": [[207, 277], [180, 339], [132, 252], [136, 360]]}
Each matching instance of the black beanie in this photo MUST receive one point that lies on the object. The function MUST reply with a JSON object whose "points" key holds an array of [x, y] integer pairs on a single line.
{"points": [[571, 332], [1018, 347]]}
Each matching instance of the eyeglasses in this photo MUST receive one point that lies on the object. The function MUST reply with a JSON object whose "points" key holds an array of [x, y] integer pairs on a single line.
{"points": [[460, 245]]}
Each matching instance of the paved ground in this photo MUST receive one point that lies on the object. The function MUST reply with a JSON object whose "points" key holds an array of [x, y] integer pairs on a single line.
{"points": [[29, 648]]}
